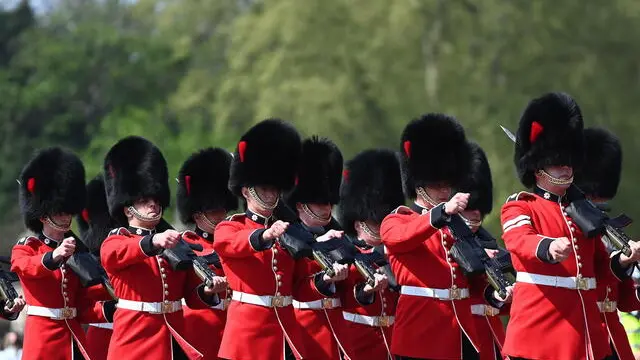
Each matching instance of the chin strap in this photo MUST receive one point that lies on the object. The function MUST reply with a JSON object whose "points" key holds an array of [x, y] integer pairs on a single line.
{"points": [[554, 180], [368, 231], [262, 203], [141, 217], [57, 227], [423, 194], [470, 223], [313, 215], [207, 221]]}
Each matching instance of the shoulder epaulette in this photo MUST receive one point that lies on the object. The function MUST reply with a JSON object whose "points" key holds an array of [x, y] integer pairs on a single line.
{"points": [[120, 231], [234, 217], [25, 240], [522, 195], [404, 210]]}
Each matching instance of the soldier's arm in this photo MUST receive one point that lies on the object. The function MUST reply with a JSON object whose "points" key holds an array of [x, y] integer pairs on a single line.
{"points": [[307, 283], [120, 250], [234, 241], [28, 263], [401, 234], [520, 236], [194, 294], [628, 299], [608, 267]]}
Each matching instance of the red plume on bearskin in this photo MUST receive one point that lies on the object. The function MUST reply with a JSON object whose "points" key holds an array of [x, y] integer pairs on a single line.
{"points": [[51, 183], [600, 176], [266, 155], [373, 189], [134, 169], [550, 133], [203, 184], [95, 222], [434, 151], [319, 173], [478, 182]]}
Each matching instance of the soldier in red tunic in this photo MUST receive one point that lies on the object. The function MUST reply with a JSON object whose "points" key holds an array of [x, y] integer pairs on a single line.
{"points": [[52, 190], [148, 323], [433, 319], [94, 223], [371, 189], [318, 310], [260, 319], [554, 314], [599, 180], [203, 198], [479, 184]]}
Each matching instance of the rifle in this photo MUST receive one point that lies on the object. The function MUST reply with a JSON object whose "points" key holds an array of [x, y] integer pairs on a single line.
{"points": [[7, 292], [88, 268], [591, 220], [469, 253], [370, 263], [182, 257]]}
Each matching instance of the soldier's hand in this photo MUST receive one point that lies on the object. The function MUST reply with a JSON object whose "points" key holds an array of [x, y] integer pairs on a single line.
{"points": [[66, 249], [219, 285], [506, 299], [381, 282], [560, 249], [18, 305], [331, 234], [625, 260], [492, 253], [341, 270], [166, 240], [458, 203], [275, 231]]}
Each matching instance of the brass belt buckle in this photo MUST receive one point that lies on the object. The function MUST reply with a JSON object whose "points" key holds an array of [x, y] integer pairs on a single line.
{"points": [[609, 306], [582, 283], [327, 303], [277, 301], [67, 313], [490, 311], [166, 308], [455, 294], [383, 321]]}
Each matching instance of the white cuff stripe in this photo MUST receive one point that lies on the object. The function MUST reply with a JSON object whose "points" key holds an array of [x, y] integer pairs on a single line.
{"points": [[522, 222], [515, 220]]}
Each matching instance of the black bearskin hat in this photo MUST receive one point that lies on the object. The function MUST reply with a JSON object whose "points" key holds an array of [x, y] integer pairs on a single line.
{"points": [[95, 222], [600, 176], [319, 173], [134, 168], [371, 188], [203, 184], [550, 133], [266, 155], [478, 182], [51, 183], [434, 150]]}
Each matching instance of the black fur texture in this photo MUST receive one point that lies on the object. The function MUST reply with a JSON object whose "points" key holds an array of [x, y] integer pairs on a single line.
{"points": [[57, 177], [206, 189], [272, 152], [94, 222], [319, 173], [561, 142], [434, 151], [371, 188], [478, 182], [600, 176]]}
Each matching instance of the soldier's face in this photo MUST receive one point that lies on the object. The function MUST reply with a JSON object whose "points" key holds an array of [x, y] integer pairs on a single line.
{"points": [[473, 216], [63, 220], [369, 232], [438, 192], [148, 207], [215, 216], [559, 172], [314, 214]]}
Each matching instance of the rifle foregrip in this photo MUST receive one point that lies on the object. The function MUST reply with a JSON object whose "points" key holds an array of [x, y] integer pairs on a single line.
{"points": [[204, 272], [324, 262], [366, 272]]}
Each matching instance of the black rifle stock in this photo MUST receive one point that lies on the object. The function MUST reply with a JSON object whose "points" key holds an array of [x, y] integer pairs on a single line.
{"points": [[88, 268], [181, 257], [7, 292], [469, 253]]}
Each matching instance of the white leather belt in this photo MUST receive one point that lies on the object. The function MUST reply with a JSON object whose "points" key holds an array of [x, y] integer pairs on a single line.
{"points": [[442, 294], [576, 283], [51, 313], [369, 320], [102, 325], [484, 310], [223, 305], [150, 307], [326, 303], [608, 306], [262, 300]]}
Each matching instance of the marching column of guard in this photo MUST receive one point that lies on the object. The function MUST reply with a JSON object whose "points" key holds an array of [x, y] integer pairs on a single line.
{"points": [[383, 256]]}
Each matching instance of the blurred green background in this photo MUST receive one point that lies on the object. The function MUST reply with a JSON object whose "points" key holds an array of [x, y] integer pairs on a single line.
{"points": [[193, 73]]}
